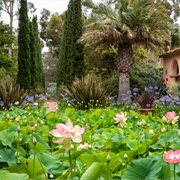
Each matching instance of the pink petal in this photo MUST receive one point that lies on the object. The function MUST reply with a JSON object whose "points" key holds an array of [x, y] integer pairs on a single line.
{"points": [[67, 144], [59, 140], [78, 130], [116, 119], [77, 139], [62, 129], [69, 134], [173, 114], [55, 133], [69, 124]]}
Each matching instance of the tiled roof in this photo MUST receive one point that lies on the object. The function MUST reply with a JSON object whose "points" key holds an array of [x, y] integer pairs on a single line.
{"points": [[170, 52]]}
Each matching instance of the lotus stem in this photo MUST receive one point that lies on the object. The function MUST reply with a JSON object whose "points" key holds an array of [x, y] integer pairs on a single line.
{"points": [[70, 161], [174, 171], [40, 162]]}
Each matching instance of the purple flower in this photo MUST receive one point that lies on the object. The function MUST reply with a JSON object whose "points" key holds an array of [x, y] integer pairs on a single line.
{"points": [[129, 92], [135, 90], [30, 99]]}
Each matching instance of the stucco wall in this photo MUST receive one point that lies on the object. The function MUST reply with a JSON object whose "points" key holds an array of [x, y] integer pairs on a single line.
{"points": [[171, 68]]}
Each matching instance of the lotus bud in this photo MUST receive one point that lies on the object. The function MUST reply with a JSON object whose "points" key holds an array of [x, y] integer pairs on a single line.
{"points": [[51, 176], [19, 129], [151, 131], [163, 129], [108, 158], [179, 133], [20, 139], [16, 154], [34, 141], [16, 119]]}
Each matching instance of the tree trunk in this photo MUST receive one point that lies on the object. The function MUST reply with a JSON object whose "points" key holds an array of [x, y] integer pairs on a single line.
{"points": [[125, 62], [124, 85]]}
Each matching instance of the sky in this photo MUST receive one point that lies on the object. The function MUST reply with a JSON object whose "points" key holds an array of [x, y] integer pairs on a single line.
{"points": [[53, 5]]}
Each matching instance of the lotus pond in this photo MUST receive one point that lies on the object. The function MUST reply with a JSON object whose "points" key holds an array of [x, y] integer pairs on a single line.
{"points": [[108, 143]]}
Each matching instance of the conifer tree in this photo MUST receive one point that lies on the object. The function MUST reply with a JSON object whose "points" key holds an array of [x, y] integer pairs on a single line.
{"points": [[37, 79], [24, 76], [33, 55], [71, 61]]}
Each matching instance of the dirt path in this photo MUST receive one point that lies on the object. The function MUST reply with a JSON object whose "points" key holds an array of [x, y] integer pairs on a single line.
{"points": [[51, 106]]}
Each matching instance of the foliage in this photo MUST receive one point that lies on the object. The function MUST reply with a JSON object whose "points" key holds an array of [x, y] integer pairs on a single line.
{"points": [[86, 92], [134, 151], [111, 82], [5, 77], [6, 39], [51, 90], [24, 75], [175, 35], [143, 75], [100, 60], [146, 98], [71, 60], [132, 24], [53, 33], [11, 95], [33, 54], [49, 65]]}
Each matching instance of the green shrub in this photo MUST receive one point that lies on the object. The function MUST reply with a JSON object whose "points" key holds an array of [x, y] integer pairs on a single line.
{"points": [[10, 95], [86, 93], [145, 75], [5, 77]]}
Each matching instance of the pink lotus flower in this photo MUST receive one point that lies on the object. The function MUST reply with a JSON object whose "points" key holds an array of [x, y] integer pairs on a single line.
{"points": [[66, 133], [171, 117], [121, 119], [172, 157]]}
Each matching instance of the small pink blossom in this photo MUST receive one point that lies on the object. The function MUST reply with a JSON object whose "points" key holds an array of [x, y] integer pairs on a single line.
{"points": [[172, 157], [121, 119], [83, 146], [66, 132], [171, 117]]}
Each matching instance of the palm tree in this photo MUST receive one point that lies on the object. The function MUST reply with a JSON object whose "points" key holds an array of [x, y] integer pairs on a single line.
{"points": [[137, 23]]}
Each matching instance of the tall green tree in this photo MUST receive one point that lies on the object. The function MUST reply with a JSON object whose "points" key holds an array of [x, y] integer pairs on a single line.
{"points": [[133, 23], [6, 39], [71, 61], [24, 61], [33, 54]]}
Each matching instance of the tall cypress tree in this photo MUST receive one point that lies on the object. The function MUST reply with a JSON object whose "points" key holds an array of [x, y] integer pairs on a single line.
{"points": [[33, 55], [37, 79], [71, 61], [76, 25], [24, 75]]}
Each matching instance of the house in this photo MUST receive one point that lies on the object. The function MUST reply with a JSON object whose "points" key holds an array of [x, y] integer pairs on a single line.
{"points": [[171, 66]]}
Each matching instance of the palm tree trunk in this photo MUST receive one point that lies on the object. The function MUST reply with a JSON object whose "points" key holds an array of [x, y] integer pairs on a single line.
{"points": [[125, 62], [124, 85]]}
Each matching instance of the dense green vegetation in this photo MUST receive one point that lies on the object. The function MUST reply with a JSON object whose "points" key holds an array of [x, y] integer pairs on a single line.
{"points": [[71, 61]]}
